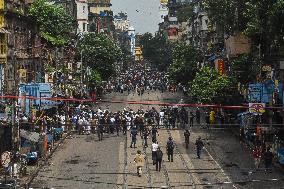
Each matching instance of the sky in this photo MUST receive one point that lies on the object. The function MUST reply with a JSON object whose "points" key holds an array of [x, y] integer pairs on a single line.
{"points": [[143, 14]]}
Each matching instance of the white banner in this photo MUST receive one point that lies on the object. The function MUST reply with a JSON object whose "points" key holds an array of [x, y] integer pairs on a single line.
{"points": [[32, 136]]}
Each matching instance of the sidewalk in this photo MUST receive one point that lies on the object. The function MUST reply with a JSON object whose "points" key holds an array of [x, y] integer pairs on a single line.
{"points": [[33, 170]]}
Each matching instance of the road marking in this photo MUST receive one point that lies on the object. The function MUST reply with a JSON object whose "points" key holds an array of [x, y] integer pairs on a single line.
{"points": [[222, 170]]}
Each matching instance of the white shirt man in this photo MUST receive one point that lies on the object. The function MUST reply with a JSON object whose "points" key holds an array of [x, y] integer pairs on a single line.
{"points": [[154, 152]]}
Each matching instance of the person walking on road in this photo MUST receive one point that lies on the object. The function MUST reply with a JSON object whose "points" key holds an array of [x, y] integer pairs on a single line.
{"points": [[100, 131], [199, 146], [268, 158], [154, 133], [159, 159], [124, 125], [145, 137], [191, 118], [155, 147], [186, 138], [170, 149], [133, 135], [256, 156], [197, 116], [140, 161]]}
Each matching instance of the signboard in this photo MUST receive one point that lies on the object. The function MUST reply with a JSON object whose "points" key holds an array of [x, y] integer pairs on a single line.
{"points": [[22, 73], [255, 92], [266, 68], [164, 1], [5, 159], [221, 67], [257, 108]]}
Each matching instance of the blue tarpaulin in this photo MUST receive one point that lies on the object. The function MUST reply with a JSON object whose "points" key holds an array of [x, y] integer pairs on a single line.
{"points": [[58, 130], [49, 138], [281, 156], [212, 58]]}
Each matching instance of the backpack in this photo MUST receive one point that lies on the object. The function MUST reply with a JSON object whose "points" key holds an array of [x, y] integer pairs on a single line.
{"points": [[170, 145]]}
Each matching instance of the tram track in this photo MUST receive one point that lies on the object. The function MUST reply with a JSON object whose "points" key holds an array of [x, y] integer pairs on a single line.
{"points": [[186, 168], [148, 173], [125, 169]]}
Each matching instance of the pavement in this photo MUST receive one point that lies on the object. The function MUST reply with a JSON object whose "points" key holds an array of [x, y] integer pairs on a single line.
{"points": [[84, 162]]}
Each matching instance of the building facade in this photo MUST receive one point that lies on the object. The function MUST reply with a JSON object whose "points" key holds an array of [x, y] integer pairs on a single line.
{"points": [[131, 35], [82, 16], [101, 17]]}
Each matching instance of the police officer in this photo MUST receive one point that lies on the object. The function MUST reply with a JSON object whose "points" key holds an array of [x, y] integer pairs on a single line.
{"points": [[170, 149], [186, 138]]}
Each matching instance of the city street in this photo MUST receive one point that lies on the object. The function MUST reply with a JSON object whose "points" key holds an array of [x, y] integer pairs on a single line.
{"points": [[84, 162], [135, 94]]}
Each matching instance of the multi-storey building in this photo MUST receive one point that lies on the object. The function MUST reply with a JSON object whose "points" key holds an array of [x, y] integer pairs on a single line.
{"points": [[121, 22], [20, 47], [101, 17], [82, 16]]}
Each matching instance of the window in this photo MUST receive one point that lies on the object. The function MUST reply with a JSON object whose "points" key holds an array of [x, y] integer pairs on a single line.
{"points": [[84, 27], [84, 9]]}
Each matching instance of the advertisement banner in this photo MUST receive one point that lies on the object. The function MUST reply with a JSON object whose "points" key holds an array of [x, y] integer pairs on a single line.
{"points": [[220, 66], [258, 108]]}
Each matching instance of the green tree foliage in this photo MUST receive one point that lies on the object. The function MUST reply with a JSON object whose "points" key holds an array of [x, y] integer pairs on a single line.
{"points": [[95, 79], [265, 25], [229, 14], [245, 69], [260, 20], [157, 50], [208, 86], [126, 56], [186, 59], [185, 13], [99, 52], [54, 22]]}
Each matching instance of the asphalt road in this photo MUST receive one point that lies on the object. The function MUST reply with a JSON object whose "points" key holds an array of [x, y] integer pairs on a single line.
{"points": [[83, 162]]}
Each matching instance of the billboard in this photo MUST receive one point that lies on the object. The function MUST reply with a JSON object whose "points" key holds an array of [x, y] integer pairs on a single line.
{"points": [[38, 90], [164, 1], [258, 108]]}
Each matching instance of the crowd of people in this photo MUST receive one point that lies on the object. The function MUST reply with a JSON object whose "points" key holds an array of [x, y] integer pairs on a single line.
{"points": [[140, 79]]}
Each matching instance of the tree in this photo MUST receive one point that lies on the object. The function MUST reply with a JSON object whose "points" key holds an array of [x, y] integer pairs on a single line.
{"points": [[157, 50], [186, 13], [126, 56], [54, 22], [95, 80], [99, 52], [186, 59], [228, 14], [245, 69], [208, 86], [265, 25]]}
